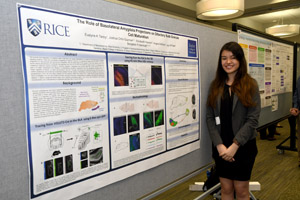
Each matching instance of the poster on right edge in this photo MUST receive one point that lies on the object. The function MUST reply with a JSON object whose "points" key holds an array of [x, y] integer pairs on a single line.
{"points": [[270, 63]]}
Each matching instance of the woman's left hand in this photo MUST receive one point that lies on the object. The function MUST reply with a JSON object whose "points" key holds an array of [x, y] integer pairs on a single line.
{"points": [[230, 152]]}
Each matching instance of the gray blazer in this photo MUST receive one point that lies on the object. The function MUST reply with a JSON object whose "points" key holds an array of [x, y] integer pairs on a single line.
{"points": [[244, 120]]}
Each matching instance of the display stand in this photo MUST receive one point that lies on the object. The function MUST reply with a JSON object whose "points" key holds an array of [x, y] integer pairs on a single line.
{"points": [[253, 186], [292, 137], [198, 186], [218, 195]]}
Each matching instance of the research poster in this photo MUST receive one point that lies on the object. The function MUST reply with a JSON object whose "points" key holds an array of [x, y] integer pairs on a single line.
{"points": [[270, 63], [104, 100]]}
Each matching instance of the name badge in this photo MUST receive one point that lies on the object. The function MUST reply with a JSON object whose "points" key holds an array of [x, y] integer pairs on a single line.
{"points": [[218, 122]]}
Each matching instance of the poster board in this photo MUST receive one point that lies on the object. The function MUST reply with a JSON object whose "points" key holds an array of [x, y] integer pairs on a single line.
{"points": [[13, 123], [271, 62]]}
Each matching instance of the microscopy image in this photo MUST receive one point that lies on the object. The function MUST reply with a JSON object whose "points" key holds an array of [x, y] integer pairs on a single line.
{"points": [[133, 122], [119, 125], [69, 163], [83, 155], [84, 164], [96, 156], [193, 99], [134, 141], [148, 120], [156, 75], [59, 166], [121, 75], [48, 167], [159, 117], [194, 114]]}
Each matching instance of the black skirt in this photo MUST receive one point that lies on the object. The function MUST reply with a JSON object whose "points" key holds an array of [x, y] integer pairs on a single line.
{"points": [[241, 168]]}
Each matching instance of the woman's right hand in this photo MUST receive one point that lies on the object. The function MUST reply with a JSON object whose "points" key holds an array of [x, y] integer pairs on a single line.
{"points": [[221, 149]]}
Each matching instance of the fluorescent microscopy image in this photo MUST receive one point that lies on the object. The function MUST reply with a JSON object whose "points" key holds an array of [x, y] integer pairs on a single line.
{"points": [[69, 163], [59, 166], [83, 155], [121, 75], [148, 120], [119, 125], [133, 123], [84, 164], [48, 167], [84, 159], [156, 75], [134, 141], [159, 117]]}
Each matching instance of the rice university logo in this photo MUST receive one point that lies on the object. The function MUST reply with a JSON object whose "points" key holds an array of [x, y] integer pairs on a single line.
{"points": [[34, 26]]}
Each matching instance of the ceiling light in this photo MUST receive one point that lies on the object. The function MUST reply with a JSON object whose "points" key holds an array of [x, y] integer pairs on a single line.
{"points": [[283, 30], [219, 9]]}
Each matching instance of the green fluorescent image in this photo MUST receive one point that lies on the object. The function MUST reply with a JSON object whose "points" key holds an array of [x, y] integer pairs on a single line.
{"points": [[159, 118]]}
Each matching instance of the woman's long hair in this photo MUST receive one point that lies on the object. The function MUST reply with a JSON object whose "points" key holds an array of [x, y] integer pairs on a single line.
{"points": [[243, 86]]}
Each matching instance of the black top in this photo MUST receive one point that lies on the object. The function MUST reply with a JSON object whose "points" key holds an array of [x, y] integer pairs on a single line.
{"points": [[226, 117]]}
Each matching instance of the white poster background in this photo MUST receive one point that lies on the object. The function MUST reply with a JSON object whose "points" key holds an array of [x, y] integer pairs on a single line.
{"points": [[52, 38]]}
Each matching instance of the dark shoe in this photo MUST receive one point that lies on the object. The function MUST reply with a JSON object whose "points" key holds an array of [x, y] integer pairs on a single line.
{"points": [[271, 138]]}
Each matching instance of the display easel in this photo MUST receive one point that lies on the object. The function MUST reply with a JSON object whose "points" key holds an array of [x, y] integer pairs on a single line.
{"points": [[253, 186], [218, 195], [198, 186], [292, 137]]}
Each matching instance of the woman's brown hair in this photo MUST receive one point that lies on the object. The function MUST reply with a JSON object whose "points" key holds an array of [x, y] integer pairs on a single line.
{"points": [[243, 86]]}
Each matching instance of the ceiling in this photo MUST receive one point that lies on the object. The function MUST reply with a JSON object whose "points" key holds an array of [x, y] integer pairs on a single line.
{"points": [[258, 14]]}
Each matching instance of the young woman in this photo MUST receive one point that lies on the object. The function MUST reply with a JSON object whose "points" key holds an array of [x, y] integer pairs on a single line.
{"points": [[233, 109]]}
